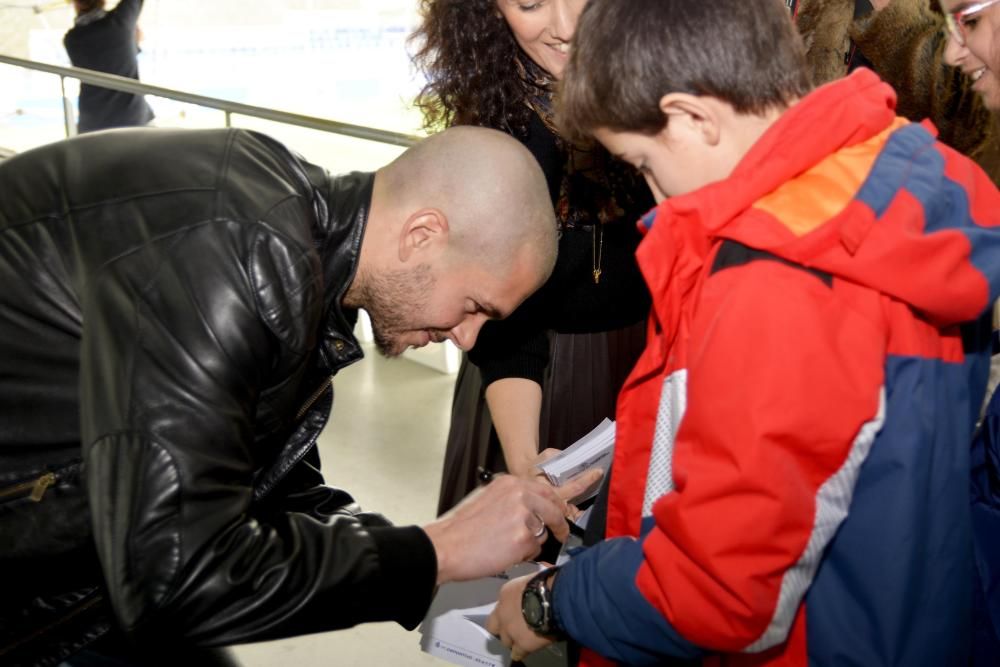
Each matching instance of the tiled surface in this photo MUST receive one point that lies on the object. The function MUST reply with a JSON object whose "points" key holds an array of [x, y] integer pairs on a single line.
{"points": [[385, 444]]}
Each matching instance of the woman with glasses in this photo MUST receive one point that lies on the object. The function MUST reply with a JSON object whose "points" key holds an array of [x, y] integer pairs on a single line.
{"points": [[972, 31], [973, 47], [551, 372]]}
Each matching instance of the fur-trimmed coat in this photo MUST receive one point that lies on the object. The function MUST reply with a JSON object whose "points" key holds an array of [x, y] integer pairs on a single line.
{"points": [[905, 44]]}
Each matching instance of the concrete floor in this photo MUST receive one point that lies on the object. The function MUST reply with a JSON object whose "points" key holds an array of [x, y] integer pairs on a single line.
{"points": [[385, 444]]}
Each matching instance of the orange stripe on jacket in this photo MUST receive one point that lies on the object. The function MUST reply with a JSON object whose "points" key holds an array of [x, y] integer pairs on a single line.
{"points": [[813, 198]]}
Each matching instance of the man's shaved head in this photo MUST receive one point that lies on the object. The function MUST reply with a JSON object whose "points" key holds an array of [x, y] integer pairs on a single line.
{"points": [[490, 189], [461, 230]]}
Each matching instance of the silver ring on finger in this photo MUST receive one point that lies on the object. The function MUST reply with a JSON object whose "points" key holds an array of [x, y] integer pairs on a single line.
{"points": [[541, 528]]}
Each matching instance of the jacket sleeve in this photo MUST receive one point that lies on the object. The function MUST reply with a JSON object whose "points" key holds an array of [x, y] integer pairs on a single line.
{"points": [[127, 12], [905, 43], [515, 347], [784, 399], [180, 338]]}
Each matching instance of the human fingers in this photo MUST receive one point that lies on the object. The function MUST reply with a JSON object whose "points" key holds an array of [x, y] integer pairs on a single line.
{"points": [[493, 623], [580, 484], [487, 532], [513, 503], [525, 641], [547, 454], [551, 512], [540, 531]]}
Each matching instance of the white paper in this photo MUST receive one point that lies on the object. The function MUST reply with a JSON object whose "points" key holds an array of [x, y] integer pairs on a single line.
{"points": [[455, 626], [593, 450]]}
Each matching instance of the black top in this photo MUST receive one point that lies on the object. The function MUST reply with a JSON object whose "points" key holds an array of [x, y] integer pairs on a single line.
{"points": [[570, 302], [106, 43]]}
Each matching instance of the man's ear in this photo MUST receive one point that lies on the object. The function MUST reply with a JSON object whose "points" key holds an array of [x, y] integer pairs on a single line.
{"points": [[692, 115], [425, 230]]}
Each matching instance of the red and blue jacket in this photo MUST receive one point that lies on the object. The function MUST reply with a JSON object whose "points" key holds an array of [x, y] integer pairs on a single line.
{"points": [[791, 474]]}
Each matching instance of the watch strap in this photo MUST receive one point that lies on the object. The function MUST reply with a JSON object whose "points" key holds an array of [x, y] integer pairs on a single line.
{"points": [[539, 586]]}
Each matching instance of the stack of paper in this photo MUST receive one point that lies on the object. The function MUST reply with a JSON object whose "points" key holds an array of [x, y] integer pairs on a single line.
{"points": [[593, 450]]}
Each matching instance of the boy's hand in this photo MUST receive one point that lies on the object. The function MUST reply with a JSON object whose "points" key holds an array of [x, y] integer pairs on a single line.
{"points": [[507, 622]]}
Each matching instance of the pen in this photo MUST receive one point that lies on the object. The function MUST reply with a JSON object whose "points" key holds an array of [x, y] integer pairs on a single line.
{"points": [[486, 476]]}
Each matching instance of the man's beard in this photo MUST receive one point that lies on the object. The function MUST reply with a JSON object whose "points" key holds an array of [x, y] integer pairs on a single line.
{"points": [[394, 301]]}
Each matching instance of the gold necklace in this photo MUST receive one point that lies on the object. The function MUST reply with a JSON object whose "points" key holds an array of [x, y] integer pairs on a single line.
{"points": [[597, 250]]}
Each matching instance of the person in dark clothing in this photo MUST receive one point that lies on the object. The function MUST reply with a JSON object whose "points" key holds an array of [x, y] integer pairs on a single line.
{"points": [[171, 318], [106, 41], [550, 373]]}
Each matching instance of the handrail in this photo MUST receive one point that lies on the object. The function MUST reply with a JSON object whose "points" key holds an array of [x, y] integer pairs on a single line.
{"points": [[128, 85]]}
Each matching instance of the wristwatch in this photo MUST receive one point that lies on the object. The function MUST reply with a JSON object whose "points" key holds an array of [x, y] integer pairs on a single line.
{"points": [[536, 604]]}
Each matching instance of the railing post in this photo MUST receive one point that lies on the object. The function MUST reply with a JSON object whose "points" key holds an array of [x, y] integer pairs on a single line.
{"points": [[68, 121], [229, 118]]}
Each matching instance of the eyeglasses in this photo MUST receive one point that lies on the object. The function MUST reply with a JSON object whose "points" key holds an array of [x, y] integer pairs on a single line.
{"points": [[957, 21]]}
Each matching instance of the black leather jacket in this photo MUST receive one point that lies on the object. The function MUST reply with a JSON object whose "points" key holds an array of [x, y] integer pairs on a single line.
{"points": [[170, 319]]}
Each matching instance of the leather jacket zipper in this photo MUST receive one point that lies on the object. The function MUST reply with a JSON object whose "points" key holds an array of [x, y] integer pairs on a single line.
{"points": [[34, 489], [322, 389], [296, 453]]}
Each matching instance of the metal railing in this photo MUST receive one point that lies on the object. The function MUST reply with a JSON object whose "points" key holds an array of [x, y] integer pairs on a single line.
{"points": [[228, 107], [448, 360]]}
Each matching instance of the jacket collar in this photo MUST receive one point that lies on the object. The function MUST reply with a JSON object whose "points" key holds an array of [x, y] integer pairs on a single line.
{"points": [[833, 117], [684, 228], [342, 206]]}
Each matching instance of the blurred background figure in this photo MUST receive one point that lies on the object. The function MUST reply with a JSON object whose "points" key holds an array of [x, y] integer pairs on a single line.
{"points": [[551, 372], [904, 41], [107, 41]]}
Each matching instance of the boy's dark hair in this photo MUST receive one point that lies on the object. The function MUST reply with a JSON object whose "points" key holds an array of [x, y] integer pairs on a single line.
{"points": [[627, 54]]}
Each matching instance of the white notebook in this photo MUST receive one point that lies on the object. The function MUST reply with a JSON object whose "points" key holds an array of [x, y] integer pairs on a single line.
{"points": [[593, 450]]}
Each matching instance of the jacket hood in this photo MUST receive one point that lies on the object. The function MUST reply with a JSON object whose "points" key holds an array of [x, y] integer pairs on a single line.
{"points": [[842, 185]]}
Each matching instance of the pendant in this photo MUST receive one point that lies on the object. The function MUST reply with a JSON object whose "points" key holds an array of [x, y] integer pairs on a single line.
{"points": [[597, 276]]}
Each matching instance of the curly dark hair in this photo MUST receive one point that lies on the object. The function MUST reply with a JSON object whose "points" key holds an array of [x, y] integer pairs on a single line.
{"points": [[469, 56]]}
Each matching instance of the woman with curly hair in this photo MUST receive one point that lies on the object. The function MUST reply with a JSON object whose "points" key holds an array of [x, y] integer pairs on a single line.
{"points": [[552, 371]]}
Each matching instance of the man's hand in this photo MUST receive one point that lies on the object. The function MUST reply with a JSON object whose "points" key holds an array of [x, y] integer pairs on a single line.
{"points": [[507, 622], [503, 523]]}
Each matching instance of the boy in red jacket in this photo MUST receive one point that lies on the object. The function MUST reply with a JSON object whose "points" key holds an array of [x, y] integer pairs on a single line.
{"points": [[791, 474]]}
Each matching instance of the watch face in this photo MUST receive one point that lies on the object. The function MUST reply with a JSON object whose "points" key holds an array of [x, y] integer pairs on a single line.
{"points": [[531, 607]]}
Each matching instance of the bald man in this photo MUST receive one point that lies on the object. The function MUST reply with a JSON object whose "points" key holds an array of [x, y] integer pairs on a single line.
{"points": [[174, 305]]}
